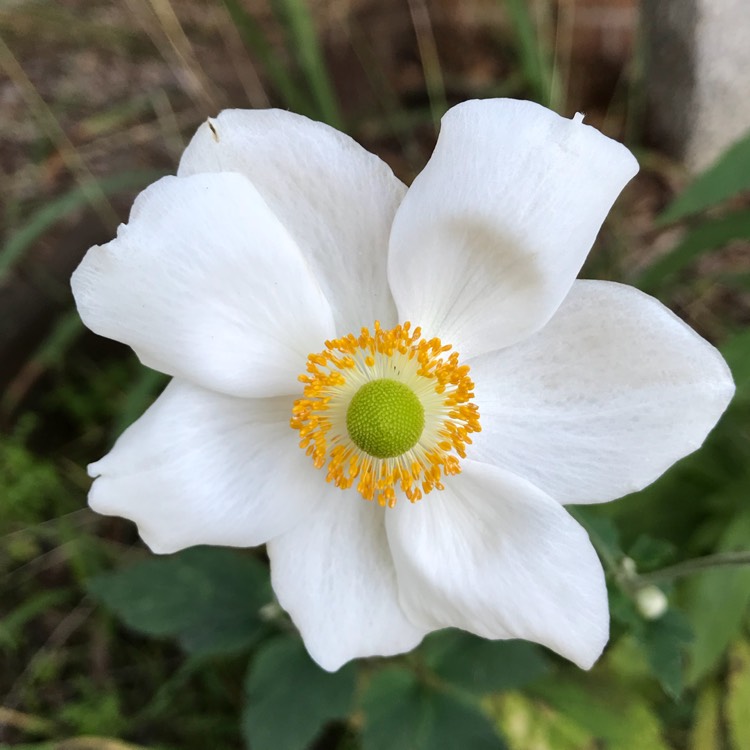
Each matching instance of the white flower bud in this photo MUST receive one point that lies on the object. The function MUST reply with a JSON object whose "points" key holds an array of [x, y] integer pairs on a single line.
{"points": [[652, 602]]}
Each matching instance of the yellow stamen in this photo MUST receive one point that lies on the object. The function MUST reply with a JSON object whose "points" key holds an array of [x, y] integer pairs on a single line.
{"points": [[442, 385]]}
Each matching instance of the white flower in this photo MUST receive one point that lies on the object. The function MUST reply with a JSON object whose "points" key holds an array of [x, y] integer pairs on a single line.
{"points": [[277, 243]]}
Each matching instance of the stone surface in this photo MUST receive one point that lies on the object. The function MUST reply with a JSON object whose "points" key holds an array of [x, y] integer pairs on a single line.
{"points": [[697, 75]]}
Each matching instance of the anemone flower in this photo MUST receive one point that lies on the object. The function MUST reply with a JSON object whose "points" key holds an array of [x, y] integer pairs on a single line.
{"points": [[398, 391]]}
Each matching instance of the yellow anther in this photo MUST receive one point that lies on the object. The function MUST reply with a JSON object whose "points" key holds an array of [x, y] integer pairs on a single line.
{"points": [[439, 382]]}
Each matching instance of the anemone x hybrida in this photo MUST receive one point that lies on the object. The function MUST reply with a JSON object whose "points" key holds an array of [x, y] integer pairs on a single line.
{"points": [[398, 391]]}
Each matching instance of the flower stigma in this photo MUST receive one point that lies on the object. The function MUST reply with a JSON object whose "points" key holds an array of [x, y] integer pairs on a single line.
{"points": [[385, 418], [386, 410]]}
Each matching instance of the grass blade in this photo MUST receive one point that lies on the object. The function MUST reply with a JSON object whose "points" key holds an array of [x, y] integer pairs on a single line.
{"points": [[255, 41], [532, 55], [729, 176], [433, 75], [707, 236], [304, 44], [56, 210]]}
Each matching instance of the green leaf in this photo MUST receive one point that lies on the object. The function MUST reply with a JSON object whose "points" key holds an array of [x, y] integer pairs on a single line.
{"points": [[402, 713], [729, 175], [461, 725], [289, 698], [708, 486], [664, 642], [155, 597], [207, 597], [709, 235], [481, 666], [737, 706], [397, 716], [622, 610], [237, 588], [716, 603]]}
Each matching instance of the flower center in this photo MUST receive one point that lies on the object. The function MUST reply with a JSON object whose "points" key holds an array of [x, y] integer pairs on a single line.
{"points": [[387, 411], [385, 418]]}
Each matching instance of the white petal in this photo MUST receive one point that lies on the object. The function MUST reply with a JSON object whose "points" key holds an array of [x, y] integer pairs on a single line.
{"points": [[334, 576], [205, 283], [336, 199], [494, 555], [203, 468], [603, 400], [492, 233]]}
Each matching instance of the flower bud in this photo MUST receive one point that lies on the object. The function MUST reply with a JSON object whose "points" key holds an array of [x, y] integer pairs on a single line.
{"points": [[651, 602]]}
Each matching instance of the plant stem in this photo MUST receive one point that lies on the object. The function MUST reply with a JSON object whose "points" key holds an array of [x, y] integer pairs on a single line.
{"points": [[719, 560]]}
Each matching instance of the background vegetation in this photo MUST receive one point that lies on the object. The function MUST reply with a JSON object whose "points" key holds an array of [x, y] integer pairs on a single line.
{"points": [[105, 647]]}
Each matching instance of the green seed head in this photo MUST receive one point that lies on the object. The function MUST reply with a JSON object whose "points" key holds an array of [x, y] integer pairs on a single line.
{"points": [[385, 418]]}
